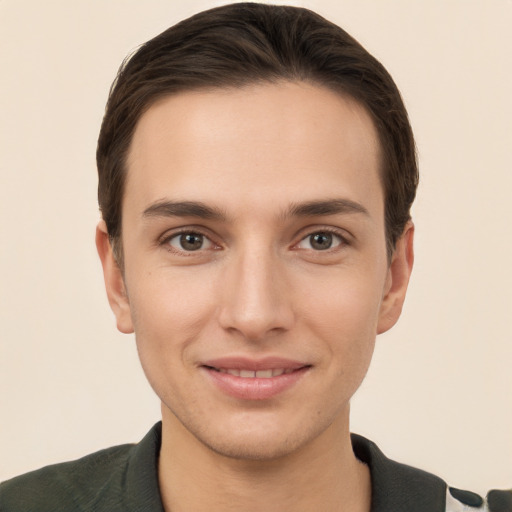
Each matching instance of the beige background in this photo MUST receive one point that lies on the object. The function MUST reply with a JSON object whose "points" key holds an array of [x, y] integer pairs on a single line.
{"points": [[439, 391]]}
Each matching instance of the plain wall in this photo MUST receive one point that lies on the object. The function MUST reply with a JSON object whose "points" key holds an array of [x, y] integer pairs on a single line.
{"points": [[439, 392]]}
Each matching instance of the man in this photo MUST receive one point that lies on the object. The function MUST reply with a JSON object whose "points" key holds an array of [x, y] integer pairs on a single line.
{"points": [[256, 173]]}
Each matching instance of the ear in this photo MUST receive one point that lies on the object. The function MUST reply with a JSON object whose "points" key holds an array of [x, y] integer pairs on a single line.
{"points": [[397, 280], [114, 282]]}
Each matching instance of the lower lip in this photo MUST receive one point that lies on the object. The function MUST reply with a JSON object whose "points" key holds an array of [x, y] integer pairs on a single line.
{"points": [[254, 388]]}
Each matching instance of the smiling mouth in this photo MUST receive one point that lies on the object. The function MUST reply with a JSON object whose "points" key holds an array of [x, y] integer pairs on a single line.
{"points": [[255, 380], [255, 374]]}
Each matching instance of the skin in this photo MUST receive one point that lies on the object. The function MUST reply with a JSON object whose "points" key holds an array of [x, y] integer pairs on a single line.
{"points": [[257, 286]]}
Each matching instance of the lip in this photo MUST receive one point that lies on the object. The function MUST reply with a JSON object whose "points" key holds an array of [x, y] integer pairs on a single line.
{"points": [[246, 363], [254, 388]]}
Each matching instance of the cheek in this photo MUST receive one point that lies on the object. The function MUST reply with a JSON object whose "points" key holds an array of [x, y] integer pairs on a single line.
{"points": [[345, 302], [170, 301], [345, 316], [169, 311]]}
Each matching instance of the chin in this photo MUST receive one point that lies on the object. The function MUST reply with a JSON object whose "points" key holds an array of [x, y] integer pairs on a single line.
{"points": [[250, 449], [260, 439]]}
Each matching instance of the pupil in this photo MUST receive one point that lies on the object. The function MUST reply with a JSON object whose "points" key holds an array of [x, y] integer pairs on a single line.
{"points": [[321, 241], [191, 241]]}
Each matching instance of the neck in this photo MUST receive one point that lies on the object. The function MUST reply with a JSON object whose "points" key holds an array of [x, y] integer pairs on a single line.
{"points": [[323, 475]]}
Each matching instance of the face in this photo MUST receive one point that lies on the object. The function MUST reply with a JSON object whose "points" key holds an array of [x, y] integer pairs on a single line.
{"points": [[256, 276]]}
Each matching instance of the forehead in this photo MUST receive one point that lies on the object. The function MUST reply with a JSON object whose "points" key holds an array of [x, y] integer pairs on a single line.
{"points": [[285, 141]]}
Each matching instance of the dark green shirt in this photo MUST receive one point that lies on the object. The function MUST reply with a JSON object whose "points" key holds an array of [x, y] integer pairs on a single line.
{"points": [[124, 478]]}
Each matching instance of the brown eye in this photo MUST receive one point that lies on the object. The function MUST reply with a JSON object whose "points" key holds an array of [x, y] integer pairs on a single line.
{"points": [[190, 242], [320, 241]]}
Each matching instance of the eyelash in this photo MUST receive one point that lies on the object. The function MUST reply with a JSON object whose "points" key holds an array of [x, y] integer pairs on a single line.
{"points": [[165, 240], [343, 242]]}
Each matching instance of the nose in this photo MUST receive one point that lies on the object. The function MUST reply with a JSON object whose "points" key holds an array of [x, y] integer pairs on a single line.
{"points": [[256, 300]]}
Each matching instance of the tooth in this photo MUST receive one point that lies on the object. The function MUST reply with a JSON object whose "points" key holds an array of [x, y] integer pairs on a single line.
{"points": [[277, 372], [264, 374], [236, 373], [289, 370], [222, 370], [247, 373]]}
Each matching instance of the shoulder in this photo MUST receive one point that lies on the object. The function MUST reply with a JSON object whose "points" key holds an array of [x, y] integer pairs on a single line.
{"points": [[402, 488], [122, 478], [67, 486]]}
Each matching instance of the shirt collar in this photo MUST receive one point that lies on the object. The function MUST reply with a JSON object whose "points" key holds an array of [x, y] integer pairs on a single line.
{"points": [[395, 487]]}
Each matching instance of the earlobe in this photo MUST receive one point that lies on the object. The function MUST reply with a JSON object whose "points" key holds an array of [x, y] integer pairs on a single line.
{"points": [[397, 280], [114, 281]]}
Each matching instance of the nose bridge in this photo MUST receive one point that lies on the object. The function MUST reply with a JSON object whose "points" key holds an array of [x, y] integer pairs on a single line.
{"points": [[255, 298]]}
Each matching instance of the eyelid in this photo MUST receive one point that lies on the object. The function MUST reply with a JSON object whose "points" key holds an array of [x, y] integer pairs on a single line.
{"points": [[342, 234], [172, 233]]}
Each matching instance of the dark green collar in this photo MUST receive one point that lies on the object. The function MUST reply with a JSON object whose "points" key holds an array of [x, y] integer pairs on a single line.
{"points": [[395, 487]]}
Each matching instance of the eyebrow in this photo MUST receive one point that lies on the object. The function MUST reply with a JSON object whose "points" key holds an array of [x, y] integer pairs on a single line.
{"points": [[183, 209], [200, 210], [326, 207]]}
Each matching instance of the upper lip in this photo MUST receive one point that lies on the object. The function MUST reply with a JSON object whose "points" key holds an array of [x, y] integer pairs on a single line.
{"points": [[245, 363]]}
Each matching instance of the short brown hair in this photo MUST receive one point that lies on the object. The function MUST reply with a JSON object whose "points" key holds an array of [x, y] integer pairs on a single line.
{"points": [[243, 43]]}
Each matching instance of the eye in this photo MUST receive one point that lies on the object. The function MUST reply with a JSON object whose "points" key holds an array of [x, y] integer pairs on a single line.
{"points": [[190, 241], [321, 241]]}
